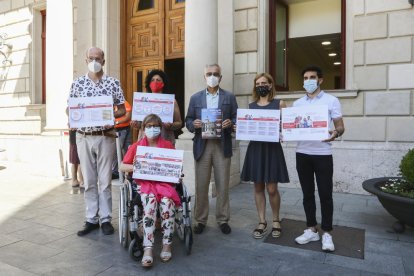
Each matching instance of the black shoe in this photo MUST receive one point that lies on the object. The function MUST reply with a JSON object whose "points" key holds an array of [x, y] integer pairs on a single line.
{"points": [[88, 227], [199, 228], [107, 228], [225, 228]]}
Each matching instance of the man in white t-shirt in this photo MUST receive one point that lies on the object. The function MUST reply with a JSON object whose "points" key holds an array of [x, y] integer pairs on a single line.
{"points": [[314, 159]]}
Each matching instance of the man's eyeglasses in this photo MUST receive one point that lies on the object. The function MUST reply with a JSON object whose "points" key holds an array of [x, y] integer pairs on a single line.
{"points": [[209, 74]]}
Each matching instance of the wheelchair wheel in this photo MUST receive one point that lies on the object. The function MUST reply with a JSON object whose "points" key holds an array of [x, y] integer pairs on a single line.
{"points": [[135, 249], [188, 235], [123, 216], [179, 225]]}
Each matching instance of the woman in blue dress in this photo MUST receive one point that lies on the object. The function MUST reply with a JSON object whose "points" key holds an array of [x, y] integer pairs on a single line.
{"points": [[265, 163]]}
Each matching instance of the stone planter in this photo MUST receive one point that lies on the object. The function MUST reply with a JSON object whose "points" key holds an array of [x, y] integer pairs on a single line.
{"points": [[402, 208]]}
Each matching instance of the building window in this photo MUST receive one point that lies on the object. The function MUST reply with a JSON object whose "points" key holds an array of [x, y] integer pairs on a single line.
{"points": [[304, 33], [145, 5]]}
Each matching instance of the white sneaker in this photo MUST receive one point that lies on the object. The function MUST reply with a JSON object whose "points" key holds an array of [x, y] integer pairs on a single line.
{"points": [[307, 236], [327, 243]]}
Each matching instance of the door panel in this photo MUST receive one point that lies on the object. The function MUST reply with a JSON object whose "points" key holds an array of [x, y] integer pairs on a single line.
{"points": [[174, 29], [137, 72], [145, 30], [152, 32]]}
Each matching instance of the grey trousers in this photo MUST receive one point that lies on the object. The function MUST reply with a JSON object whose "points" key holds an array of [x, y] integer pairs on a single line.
{"points": [[96, 154], [212, 157]]}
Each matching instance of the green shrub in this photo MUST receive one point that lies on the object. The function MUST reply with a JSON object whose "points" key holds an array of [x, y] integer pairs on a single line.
{"points": [[402, 186], [407, 166]]}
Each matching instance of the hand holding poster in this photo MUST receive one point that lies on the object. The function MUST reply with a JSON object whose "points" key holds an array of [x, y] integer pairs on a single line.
{"points": [[305, 123], [91, 111], [158, 164], [211, 119], [258, 125], [153, 103]]}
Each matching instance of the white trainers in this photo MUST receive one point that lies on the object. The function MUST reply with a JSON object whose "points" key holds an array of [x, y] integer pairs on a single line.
{"points": [[327, 243], [307, 236]]}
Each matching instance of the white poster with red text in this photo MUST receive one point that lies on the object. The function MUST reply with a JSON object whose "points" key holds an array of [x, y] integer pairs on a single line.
{"points": [[91, 111], [258, 125], [305, 123], [158, 164], [153, 103]]}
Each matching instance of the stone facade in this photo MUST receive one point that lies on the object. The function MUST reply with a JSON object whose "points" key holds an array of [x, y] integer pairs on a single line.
{"points": [[378, 100]]}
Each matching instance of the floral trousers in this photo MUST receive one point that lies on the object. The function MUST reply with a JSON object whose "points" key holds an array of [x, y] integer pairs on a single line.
{"points": [[167, 213]]}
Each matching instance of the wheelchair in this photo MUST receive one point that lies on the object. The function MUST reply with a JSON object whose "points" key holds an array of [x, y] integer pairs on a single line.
{"points": [[131, 214]]}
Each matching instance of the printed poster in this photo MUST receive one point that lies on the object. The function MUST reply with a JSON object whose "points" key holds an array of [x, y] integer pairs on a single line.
{"points": [[305, 123], [91, 111], [158, 164], [258, 125], [211, 119], [153, 103]]}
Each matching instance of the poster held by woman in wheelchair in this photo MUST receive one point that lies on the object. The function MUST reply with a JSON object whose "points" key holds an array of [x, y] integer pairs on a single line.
{"points": [[157, 188]]}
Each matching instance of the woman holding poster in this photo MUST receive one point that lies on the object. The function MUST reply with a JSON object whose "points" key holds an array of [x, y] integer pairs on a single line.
{"points": [[154, 194], [157, 82], [264, 163]]}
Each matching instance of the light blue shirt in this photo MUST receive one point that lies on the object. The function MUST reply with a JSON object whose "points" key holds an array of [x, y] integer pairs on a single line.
{"points": [[334, 112], [212, 100]]}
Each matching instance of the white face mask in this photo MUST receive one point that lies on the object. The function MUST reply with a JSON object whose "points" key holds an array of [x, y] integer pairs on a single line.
{"points": [[94, 66], [213, 81], [152, 132], [310, 85]]}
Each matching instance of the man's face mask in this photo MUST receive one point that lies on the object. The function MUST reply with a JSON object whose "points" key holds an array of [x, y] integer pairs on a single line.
{"points": [[310, 85], [94, 66], [212, 81]]}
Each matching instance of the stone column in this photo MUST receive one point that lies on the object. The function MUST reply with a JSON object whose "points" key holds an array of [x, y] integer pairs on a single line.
{"points": [[209, 39], [201, 48], [225, 13], [59, 62], [201, 45]]}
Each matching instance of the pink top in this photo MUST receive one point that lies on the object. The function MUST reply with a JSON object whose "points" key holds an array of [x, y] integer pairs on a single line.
{"points": [[157, 188]]}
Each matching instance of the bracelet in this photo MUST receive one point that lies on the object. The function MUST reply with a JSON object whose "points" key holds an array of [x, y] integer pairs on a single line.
{"points": [[337, 133]]}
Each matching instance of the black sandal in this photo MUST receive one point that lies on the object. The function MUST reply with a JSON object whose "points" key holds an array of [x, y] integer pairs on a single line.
{"points": [[259, 233], [276, 231]]}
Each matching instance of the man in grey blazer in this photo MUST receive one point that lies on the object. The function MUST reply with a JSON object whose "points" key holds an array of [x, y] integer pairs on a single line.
{"points": [[212, 153]]}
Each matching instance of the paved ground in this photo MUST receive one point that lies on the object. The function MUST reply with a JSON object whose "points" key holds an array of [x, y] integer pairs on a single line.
{"points": [[39, 218]]}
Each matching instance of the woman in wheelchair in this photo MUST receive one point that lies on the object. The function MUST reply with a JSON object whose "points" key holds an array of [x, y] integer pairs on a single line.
{"points": [[154, 194]]}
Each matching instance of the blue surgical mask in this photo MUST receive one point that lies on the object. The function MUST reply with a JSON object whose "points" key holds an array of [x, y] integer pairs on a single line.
{"points": [[152, 132], [310, 85]]}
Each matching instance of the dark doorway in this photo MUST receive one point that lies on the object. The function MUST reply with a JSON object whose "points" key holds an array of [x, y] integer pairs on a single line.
{"points": [[175, 72]]}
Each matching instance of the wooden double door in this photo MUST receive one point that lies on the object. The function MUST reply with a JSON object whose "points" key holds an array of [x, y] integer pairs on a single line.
{"points": [[152, 37]]}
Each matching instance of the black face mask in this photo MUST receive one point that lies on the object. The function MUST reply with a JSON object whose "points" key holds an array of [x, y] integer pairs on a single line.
{"points": [[262, 91]]}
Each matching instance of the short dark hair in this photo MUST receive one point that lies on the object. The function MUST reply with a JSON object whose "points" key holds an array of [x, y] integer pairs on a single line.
{"points": [[163, 76], [313, 68]]}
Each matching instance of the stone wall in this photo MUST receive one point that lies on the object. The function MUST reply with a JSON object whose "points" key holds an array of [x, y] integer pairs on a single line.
{"points": [[378, 103], [20, 112]]}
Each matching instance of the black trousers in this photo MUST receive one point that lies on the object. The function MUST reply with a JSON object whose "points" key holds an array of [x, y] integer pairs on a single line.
{"points": [[321, 167]]}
